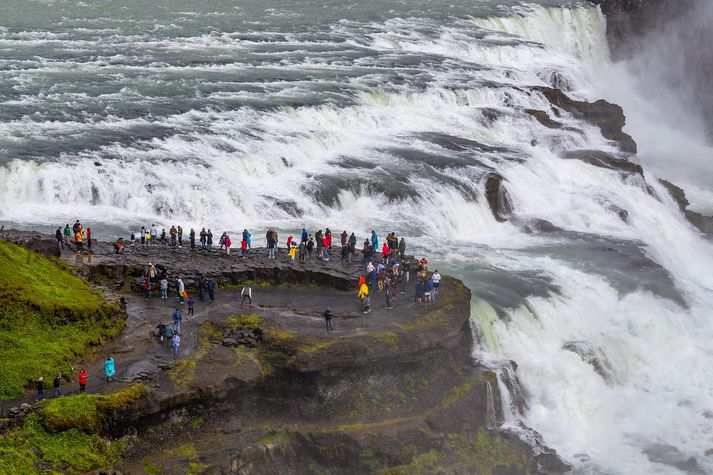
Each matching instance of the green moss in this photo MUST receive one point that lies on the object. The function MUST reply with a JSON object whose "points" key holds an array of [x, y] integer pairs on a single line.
{"points": [[281, 438], [195, 468], [459, 392], [249, 320], [196, 423], [389, 339], [48, 318], [33, 449], [86, 411], [278, 335], [426, 463], [483, 452], [150, 468]]}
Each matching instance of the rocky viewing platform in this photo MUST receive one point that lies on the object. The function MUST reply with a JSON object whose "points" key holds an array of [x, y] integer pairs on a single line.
{"points": [[266, 389]]}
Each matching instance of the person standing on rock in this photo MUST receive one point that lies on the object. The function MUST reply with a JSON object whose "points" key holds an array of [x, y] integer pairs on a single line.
{"points": [[228, 243], [310, 247], [56, 385], [164, 288], [60, 239], [436, 278], [292, 252], [221, 241], [209, 239], [326, 246], [40, 386], [192, 238], [248, 238], [147, 287], [201, 288], [363, 295], [89, 239], [78, 241], [191, 302], [203, 238], [247, 294], [67, 234], [366, 251], [211, 289], [318, 241], [243, 248], [142, 236], [302, 250], [181, 287], [174, 236], [154, 234], [328, 236], [176, 319], [374, 240], [175, 343], [387, 293], [328, 319], [179, 233], [270, 245], [304, 236], [109, 369], [345, 254], [402, 249], [82, 378], [289, 242], [344, 237]]}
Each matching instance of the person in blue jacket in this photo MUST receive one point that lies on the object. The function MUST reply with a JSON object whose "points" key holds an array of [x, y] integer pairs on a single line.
{"points": [[374, 240], [109, 368]]}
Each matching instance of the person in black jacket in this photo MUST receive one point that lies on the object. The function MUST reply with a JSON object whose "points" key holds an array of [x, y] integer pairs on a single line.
{"points": [[60, 238], [40, 386], [211, 289], [328, 319], [56, 385]]}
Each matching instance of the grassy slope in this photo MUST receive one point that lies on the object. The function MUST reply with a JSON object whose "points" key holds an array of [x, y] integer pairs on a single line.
{"points": [[48, 318], [61, 437]]}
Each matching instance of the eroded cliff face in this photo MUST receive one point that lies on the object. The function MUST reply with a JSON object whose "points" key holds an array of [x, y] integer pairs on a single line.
{"points": [[629, 21]]}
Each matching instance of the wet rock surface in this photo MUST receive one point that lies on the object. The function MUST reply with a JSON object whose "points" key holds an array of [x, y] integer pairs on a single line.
{"points": [[607, 116], [266, 389]]}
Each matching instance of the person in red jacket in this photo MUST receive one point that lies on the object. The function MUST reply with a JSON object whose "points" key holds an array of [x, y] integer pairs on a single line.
{"points": [[243, 248], [82, 377], [385, 251], [325, 248]]}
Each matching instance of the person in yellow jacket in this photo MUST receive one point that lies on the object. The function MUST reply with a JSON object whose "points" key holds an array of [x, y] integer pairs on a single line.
{"points": [[293, 252], [364, 297]]}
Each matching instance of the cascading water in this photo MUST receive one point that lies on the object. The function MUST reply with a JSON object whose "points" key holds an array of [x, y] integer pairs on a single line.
{"points": [[312, 115]]}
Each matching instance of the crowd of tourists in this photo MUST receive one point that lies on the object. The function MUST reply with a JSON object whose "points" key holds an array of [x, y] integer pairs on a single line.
{"points": [[385, 270], [82, 378]]}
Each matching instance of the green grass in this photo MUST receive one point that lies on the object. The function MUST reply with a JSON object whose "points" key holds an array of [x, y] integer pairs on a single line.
{"points": [[86, 411], [48, 319], [31, 449]]}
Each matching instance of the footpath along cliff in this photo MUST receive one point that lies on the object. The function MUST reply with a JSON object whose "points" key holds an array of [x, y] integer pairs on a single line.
{"points": [[267, 389]]}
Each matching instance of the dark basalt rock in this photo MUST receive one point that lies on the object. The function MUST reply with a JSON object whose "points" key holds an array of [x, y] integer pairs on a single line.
{"points": [[498, 197], [669, 455], [604, 160], [703, 223], [607, 116], [592, 356]]}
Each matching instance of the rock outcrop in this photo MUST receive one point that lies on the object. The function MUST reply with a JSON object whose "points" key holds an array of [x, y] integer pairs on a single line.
{"points": [[703, 223], [498, 197], [607, 116]]}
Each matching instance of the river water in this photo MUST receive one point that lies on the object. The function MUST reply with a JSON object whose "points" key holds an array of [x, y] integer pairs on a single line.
{"points": [[388, 115]]}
